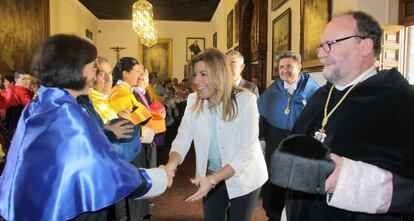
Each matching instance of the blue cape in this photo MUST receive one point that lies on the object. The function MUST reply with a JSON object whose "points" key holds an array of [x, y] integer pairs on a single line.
{"points": [[60, 164], [273, 101]]}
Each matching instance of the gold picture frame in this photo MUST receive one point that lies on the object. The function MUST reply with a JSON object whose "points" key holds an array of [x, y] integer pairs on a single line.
{"points": [[158, 58], [230, 29], [315, 14], [281, 32], [194, 46], [277, 3]]}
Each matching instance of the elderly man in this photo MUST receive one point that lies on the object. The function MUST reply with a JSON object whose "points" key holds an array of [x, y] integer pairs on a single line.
{"points": [[366, 118], [236, 61], [279, 107]]}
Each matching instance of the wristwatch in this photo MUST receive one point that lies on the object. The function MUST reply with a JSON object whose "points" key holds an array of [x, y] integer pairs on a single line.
{"points": [[213, 182]]}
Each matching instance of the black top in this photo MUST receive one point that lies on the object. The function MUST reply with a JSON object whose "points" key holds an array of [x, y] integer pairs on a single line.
{"points": [[374, 124]]}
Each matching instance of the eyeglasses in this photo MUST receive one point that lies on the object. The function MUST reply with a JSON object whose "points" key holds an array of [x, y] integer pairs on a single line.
{"points": [[326, 46]]}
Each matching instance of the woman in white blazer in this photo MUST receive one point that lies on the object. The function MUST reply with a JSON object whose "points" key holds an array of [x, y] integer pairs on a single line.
{"points": [[222, 120]]}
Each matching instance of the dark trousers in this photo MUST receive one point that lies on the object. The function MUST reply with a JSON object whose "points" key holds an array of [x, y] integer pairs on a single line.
{"points": [[273, 201], [139, 208], [218, 207]]}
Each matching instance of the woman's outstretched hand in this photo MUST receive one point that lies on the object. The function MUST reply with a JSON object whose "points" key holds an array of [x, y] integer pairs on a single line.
{"points": [[205, 184]]}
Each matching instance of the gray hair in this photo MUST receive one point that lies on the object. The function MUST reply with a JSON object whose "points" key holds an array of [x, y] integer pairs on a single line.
{"points": [[368, 27], [235, 53]]}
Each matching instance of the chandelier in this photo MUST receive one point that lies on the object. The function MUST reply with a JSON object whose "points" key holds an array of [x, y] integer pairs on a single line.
{"points": [[143, 22]]}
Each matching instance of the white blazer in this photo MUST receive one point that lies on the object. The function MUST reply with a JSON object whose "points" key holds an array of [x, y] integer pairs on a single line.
{"points": [[238, 141]]}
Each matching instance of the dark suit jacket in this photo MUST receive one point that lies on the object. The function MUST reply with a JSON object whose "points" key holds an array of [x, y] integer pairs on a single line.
{"points": [[249, 86]]}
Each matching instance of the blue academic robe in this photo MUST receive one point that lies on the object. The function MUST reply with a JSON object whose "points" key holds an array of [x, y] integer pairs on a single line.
{"points": [[275, 125], [273, 101], [60, 163]]}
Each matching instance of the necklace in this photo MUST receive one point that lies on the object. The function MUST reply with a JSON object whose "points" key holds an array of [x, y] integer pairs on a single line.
{"points": [[287, 109], [320, 134]]}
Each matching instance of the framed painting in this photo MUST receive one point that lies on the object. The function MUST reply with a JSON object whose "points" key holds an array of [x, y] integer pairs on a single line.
{"points": [[158, 58], [194, 46], [277, 3], [236, 22], [24, 27], [315, 14], [281, 31], [215, 40], [230, 29]]}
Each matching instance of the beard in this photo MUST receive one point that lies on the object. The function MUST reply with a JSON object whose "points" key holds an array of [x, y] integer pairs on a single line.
{"points": [[334, 76]]}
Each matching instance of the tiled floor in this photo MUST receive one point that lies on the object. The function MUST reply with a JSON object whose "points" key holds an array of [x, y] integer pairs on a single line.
{"points": [[171, 206]]}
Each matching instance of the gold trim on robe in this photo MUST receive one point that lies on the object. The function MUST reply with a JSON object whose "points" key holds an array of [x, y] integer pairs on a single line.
{"points": [[2, 154], [121, 98]]}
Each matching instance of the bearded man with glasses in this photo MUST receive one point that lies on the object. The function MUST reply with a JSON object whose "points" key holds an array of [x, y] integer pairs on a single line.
{"points": [[366, 118]]}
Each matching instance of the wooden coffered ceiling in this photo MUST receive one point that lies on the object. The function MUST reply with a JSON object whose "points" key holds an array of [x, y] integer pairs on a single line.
{"points": [[177, 10]]}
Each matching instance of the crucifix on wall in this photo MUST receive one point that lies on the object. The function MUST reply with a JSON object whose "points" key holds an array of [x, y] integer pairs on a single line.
{"points": [[117, 50]]}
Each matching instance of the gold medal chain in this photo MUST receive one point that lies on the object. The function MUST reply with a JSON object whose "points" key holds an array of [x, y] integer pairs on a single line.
{"points": [[326, 115]]}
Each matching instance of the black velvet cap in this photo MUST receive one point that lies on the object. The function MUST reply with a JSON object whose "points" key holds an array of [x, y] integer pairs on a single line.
{"points": [[301, 163]]}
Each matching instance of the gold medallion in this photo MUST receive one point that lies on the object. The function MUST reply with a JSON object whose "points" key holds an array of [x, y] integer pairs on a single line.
{"points": [[320, 134], [287, 111]]}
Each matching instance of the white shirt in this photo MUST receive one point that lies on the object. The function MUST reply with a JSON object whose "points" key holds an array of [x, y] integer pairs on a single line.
{"points": [[291, 87]]}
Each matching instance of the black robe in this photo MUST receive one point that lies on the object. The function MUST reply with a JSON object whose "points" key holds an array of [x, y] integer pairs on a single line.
{"points": [[374, 124]]}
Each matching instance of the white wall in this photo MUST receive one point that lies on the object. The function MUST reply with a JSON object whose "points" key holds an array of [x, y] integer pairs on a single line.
{"points": [[179, 31], [116, 33], [219, 24], [71, 17], [112, 33]]}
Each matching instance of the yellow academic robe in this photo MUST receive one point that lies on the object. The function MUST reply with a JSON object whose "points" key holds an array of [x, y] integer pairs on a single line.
{"points": [[1, 153], [101, 104], [121, 98]]}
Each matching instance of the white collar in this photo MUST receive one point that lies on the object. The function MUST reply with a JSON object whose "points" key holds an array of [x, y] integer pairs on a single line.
{"points": [[237, 82], [367, 74], [142, 90], [291, 87]]}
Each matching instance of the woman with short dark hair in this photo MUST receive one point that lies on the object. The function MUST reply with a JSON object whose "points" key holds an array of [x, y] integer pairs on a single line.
{"points": [[60, 165]]}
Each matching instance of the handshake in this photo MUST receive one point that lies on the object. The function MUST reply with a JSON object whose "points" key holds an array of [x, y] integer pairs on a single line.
{"points": [[170, 171]]}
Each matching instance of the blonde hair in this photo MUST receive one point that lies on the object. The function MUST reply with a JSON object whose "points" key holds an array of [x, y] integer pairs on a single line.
{"points": [[222, 81]]}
